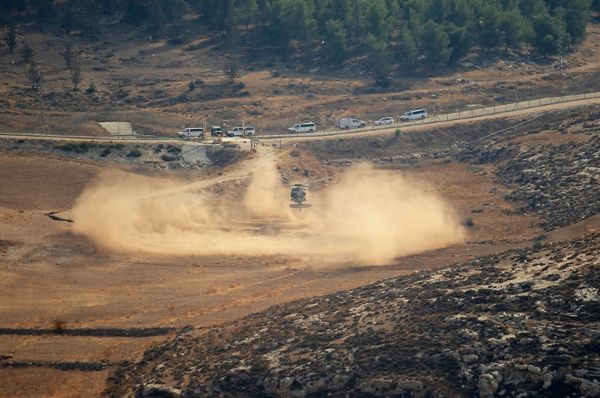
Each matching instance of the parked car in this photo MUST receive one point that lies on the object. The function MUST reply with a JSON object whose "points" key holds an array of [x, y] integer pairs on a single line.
{"points": [[414, 115], [216, 131], [307, 127], [241, 132], [349, 123], [384, 121], [191, 132]]}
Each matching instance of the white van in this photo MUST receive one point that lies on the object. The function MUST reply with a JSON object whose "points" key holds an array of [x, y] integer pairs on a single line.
{"points": [[308, 127], [349, 123], [414, 115], [191, 132]]}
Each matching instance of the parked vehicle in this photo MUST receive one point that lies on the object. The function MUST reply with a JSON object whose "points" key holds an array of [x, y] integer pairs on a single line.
{"points": [[349, 123], [216, 131], [241, 132], [414, 115], [307, 127], [384, 121], [191, 132]]}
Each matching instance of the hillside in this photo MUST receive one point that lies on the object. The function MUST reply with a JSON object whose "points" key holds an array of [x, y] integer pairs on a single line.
{"points": [[523, 321], [160, 85]]}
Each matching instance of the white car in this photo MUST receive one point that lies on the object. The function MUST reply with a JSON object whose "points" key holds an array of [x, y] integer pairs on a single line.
{"points": [[241, 131], [191, 132], [308, 127], [414, 115], [384, 121]]}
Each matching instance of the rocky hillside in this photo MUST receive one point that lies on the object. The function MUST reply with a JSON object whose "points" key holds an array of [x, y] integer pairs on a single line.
{"points": [[524, 323], [560, 183]]}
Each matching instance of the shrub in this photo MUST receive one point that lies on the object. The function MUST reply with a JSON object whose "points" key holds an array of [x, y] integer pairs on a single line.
{"points": [[59, 326], [77, 147], [91, 88], [134, 153], [397, 133], [469, 222]]}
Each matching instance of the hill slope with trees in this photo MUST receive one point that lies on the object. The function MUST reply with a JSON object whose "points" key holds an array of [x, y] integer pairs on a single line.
{"points": [[390, 33]]}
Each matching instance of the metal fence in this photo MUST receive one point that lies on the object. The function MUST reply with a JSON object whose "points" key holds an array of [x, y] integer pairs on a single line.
{"points": [[438, 118], [435, 118]]}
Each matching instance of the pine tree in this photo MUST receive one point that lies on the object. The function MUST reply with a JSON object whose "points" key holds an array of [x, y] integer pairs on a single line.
{"points": [[44, 12], [376, 19], [380, 60], [336, 40], [596, 7], [68, 56], [11, 37], [76, 73], [406, 49], [27, 53], [435, 44], [35, 77]]}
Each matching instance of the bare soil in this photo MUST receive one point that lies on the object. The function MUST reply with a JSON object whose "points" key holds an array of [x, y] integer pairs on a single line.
{"points": [[49, 274]]}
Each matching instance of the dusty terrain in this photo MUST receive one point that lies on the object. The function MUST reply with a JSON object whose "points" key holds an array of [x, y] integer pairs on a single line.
{"points": [[49, 273], [521, 321], [80, 316]]}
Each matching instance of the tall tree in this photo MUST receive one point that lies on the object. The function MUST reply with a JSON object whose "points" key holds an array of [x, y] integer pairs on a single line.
{"points": [[68, 56], [596, 7], [435, 44], [576, 15], [516, 29], [27, 52], [76, 73], [231, 24], [491, 34], [376, 19], [406, 49], [45, 11], [10, 37], [336, 41], [550, 36], [35, 77], [380, 59]]}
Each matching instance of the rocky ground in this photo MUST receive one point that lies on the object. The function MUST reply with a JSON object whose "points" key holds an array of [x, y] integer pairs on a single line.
{"points": [[518, 324], [524, 323], [560, 183]]}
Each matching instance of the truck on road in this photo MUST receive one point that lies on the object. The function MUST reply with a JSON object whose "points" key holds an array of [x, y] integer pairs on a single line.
{"points": [[349, 123]]}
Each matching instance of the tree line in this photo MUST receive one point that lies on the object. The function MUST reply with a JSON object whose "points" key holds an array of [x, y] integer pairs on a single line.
{"points": [[404, 33]]}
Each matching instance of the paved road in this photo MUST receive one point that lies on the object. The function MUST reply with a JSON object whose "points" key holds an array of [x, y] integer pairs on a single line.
{"points": [[472, 115]]}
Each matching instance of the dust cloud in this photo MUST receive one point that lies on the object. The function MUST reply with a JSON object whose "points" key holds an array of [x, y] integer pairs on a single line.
{"points": [[368, 216]]}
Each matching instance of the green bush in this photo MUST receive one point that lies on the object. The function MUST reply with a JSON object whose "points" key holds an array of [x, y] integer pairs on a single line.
{"points": [[134, 153]]}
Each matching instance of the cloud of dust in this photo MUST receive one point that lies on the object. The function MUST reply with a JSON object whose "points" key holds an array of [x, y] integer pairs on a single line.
{"points": [[369, 216]]}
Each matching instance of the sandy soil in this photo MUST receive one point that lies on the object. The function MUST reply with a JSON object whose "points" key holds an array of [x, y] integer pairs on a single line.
{"points": [[48, 273]]}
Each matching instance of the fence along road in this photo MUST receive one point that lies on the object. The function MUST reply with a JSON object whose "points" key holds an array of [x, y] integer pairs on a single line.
{"points": [[496, 111], [533, 106]]}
